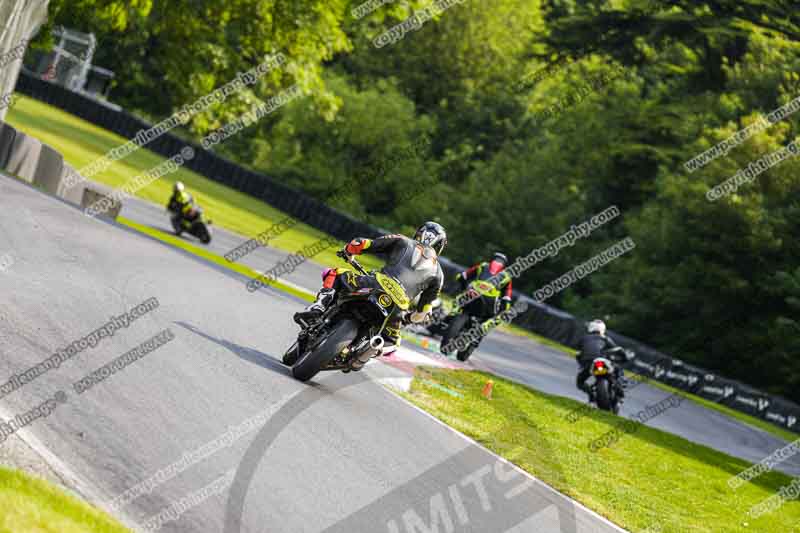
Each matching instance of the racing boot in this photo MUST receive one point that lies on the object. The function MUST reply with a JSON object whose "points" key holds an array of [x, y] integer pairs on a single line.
{"points": [[317, 308]]}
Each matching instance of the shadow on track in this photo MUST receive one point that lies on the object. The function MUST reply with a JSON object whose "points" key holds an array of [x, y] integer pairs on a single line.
{"points": [[250, 355]]}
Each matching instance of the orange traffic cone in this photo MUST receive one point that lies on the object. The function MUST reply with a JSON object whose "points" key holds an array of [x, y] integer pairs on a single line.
{"points": [[487, 389]]}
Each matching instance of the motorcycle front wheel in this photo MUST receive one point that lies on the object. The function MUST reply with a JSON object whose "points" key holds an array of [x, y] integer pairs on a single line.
{"points": [[464, 354], [456, 325], [331, 345]]}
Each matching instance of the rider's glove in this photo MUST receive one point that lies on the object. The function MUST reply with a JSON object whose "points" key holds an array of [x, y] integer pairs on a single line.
{"points": [[356, 246], [505, 303]]}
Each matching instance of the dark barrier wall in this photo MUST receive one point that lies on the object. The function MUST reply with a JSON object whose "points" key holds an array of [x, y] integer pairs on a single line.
{"points": [[7, 137], [542, 319]]}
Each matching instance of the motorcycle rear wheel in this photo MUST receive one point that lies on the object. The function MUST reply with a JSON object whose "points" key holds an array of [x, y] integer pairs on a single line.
{"points": [[290, 356], [339, 337], [604, 399]]}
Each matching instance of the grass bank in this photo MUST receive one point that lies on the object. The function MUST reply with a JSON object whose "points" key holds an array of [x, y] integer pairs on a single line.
{"points": [[647, 478], [30, 505]]}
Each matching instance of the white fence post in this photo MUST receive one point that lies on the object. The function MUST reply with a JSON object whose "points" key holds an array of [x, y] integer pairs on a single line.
{"points": [[19, 22]]}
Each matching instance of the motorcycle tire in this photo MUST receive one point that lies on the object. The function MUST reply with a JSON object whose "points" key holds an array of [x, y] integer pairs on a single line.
{"points": [[438, 330], [176, 226], [464, 354], [604, 398], [290, 356], [456, 325], [340, 336], [203, 234]]}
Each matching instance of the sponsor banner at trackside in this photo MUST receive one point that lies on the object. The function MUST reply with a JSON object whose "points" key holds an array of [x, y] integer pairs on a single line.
{"points": [[709, 386]]}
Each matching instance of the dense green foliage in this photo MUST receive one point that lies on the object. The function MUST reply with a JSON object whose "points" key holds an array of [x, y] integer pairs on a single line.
{"points": [[523, 150]]}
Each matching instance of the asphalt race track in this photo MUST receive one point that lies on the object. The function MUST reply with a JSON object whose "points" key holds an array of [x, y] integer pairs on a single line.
{"points": [[531, 363], [340, 454]]}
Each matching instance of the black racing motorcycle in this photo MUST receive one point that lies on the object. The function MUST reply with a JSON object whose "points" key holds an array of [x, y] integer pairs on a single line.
{"points": [[348, 334], [481, 301], [604, 390], [193, 223]]}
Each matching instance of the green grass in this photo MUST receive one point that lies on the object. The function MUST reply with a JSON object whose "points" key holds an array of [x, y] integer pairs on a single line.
{"points": [[30, 505], [81, 143], [647, 477]]}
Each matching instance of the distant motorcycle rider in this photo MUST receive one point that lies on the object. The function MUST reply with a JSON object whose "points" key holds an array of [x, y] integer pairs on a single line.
{"points": [[493, 270], [595, 343], [181, 203], [412, 262], [480, 300]]}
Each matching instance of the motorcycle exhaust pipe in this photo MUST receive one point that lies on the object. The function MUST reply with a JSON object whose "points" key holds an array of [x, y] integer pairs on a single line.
{"points": [[376, 343], [375, 347]]}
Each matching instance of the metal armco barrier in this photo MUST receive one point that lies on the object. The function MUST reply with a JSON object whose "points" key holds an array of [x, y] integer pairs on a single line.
{"points": [[540, 318]]}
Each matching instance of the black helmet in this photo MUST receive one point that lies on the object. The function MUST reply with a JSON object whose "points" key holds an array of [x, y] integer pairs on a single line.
{"points": [[500, 258], [432, 234]]}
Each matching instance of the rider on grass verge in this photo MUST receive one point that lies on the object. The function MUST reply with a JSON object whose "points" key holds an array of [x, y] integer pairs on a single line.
{"points": [[412, 262]]}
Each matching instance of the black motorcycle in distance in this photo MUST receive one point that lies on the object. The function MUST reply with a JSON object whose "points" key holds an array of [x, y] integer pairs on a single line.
{"points": [[607, 384], [348, 334], [194, 223]]}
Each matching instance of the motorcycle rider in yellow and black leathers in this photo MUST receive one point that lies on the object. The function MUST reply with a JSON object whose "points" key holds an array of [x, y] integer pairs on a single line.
{"points": [[414, 263], [181, 203], [493, 271], [491, 294]]}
